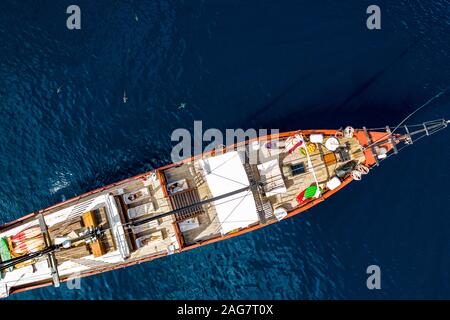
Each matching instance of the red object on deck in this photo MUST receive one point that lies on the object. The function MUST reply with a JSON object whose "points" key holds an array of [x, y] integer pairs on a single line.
{"points": [[300, 196], [298, 144]]}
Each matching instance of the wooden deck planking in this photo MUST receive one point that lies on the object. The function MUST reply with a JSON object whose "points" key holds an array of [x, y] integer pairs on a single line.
{"points": [[157, 246], [192, 173], [160, 202], [296, 184]]}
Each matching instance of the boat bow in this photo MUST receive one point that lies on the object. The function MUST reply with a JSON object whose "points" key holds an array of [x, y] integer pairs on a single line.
{"points": [[379, 145]]}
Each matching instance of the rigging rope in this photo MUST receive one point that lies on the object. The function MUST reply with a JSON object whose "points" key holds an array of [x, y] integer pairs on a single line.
{"points": [[232, 211]]}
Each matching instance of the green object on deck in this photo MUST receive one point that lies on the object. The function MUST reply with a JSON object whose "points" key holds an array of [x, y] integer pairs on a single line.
{"points": [[4, 252], [310, 192]]}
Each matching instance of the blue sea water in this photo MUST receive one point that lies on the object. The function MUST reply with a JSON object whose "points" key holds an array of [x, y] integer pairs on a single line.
{"points": [[235, 64]]}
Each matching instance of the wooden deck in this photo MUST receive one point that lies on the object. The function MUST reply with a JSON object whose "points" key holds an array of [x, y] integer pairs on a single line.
{"points": [[297, 183], [198, 190], [64, 229], [146, 233], [184, 199], [208, 222]]}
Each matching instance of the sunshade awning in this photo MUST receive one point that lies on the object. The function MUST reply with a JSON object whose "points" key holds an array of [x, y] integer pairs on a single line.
{"points": [[224, 174]]}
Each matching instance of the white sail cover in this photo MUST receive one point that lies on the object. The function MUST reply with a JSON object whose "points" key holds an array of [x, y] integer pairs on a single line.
{"points": [[225, 173]]}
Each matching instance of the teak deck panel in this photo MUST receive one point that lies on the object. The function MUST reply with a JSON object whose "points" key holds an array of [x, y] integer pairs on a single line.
{"points": [[183, 199], [208, 219], [296, 184]]}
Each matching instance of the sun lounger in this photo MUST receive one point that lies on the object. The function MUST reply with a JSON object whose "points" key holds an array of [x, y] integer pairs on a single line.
{"points": [[148, 239], [135, 196], [188, 224], [177, 186], [271, 175], [146, 226], [141, 210]]}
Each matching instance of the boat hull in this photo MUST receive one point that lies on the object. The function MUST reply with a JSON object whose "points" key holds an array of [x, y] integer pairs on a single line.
{"points": [[361, 135]]}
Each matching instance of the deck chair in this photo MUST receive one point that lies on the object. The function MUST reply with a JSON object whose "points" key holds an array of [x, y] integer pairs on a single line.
{"points": [[141, 210], [146, 226], [135, 196], [153, 237], [271, 175]]}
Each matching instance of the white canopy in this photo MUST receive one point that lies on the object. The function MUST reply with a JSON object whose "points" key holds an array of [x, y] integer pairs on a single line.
{"points": [[225, 173]]}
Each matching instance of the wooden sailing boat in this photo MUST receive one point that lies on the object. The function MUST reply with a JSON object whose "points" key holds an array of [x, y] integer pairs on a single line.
{"points": [[204, 199]]}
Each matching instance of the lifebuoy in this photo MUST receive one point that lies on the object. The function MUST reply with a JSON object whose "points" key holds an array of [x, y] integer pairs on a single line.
{"points": [[356, 175], [362, 168], [348, 132]]}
